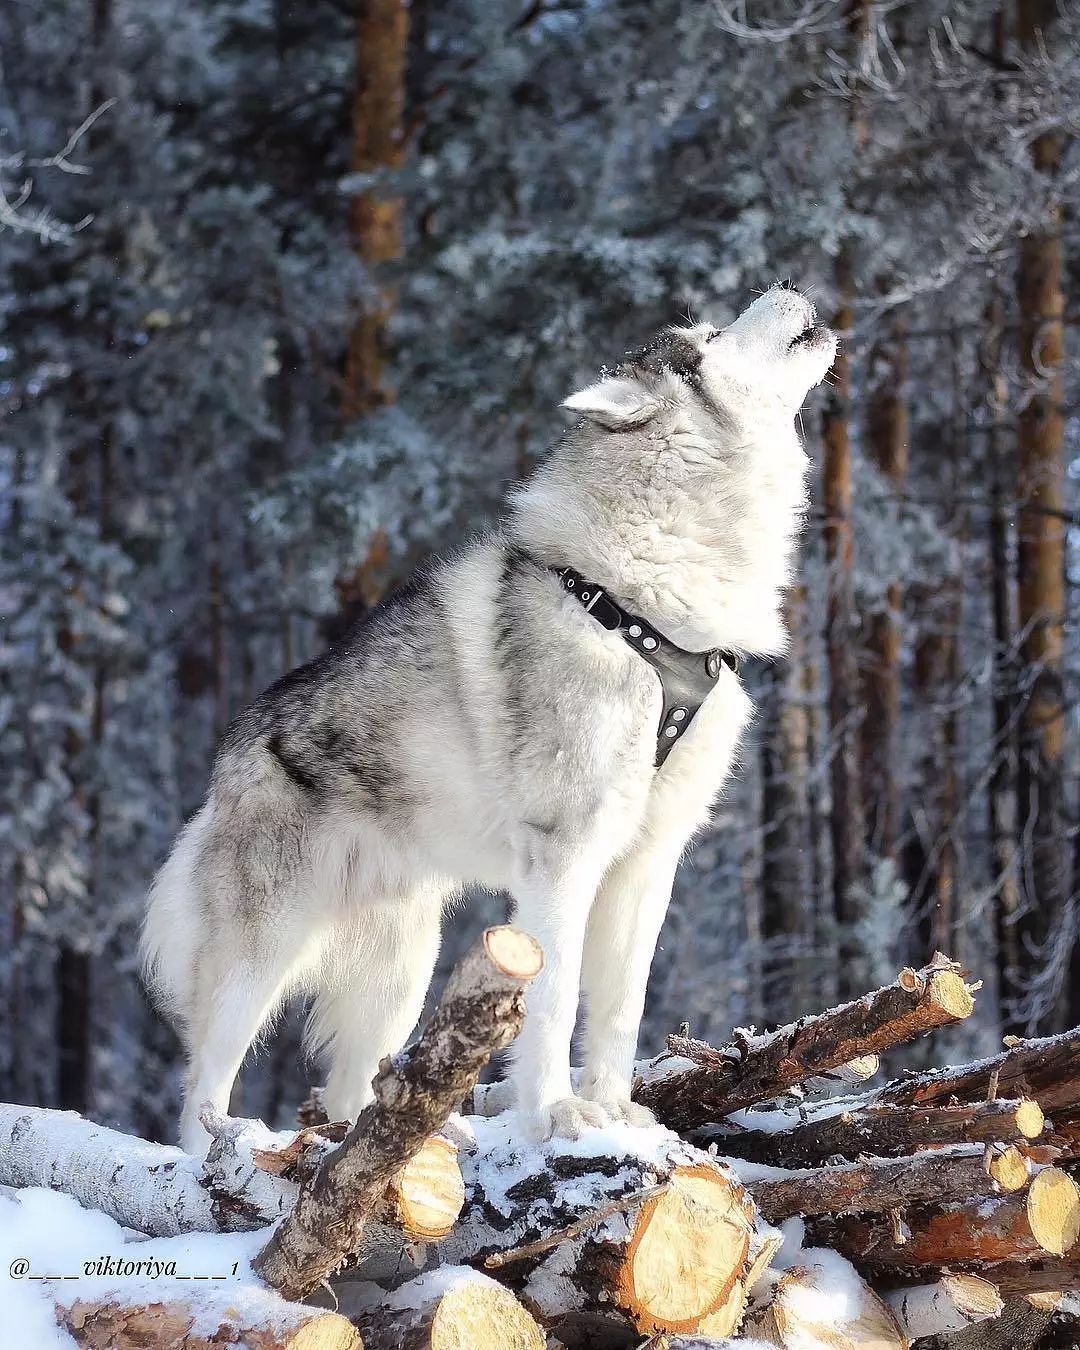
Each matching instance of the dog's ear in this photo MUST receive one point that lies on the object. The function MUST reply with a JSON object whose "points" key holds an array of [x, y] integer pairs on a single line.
{"points": [[616, 402]]}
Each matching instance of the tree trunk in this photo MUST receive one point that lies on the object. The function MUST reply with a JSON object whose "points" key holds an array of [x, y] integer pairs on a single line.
{"points": [[887, 434], [787, 917], [450, 1310], [1041, 567], [212, 1320], [378, 145]]}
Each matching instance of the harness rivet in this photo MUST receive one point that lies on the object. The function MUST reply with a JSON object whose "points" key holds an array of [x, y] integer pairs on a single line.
{"points": [[671, 731], [648, 643], [634, 630], [678, 714]]}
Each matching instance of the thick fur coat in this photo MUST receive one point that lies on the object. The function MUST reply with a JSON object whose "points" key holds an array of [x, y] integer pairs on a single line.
{"points": [[481, 727]]}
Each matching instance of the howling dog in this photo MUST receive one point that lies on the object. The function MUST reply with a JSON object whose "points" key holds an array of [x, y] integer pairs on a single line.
{"points": [[550, 712]]}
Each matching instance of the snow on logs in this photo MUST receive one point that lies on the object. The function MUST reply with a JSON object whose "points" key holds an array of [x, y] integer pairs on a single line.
{"points": [[635, 1231], [450, 1309], [213, 1320], [481, 1011], [697, 1085]]}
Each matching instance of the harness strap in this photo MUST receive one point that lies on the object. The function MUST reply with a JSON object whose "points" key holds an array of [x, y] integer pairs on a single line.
{"points": [[686, 678]]}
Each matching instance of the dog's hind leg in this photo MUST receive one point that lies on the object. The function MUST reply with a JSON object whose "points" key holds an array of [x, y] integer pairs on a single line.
{"points": [[378, 968]]}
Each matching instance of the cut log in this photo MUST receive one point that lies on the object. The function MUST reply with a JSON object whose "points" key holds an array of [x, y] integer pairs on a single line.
{"points": [[153, 1188], [217, 1320], [953, 1303], [884, 1131], [1047, 1070], [1020, 1327], [824, 1305], [598, 1245], [247, 1180], [481, 1011], [450, 1309], [974, 1236], [706, 1084], [878, 1185]]}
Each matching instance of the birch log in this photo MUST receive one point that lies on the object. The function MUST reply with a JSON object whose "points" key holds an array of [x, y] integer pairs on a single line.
{"points": [[953, 1303], [213, 1320], [703, 1085], [247, 1180], [481, 1011]]}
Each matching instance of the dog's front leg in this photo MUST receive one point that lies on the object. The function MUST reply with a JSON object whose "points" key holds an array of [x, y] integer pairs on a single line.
{"points": [[552, 903], [623, 928]]}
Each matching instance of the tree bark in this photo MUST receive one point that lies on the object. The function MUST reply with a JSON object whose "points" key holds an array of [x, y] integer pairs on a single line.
{"points": [[685, 1096], [880, 1185], [787, 918], [883, 1131], [955, 1302], [887, 434], [481, 1011], [378, 132], [1028, 1226], [1041, 563]]}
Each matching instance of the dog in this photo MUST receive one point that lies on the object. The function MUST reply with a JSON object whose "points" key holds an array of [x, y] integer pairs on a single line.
{"points": [[489, 725]]}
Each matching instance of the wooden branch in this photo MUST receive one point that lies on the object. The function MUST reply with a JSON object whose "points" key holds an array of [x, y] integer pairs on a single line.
{"points": [[1047, 1070], [955, 1302], [450, 1309], [886, 1131], [1044, 1220], [481, 1011], [878, 1185], [213, 1321], [649, 1241], [823, 1304], [685, 1093]]}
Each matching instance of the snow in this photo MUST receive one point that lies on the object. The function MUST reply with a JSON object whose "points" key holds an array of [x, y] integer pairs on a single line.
{"points": [[58, 1238]]}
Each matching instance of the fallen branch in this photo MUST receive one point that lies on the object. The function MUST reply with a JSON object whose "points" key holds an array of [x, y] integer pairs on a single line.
{"points": [[689, 1092], [481, 1011]]}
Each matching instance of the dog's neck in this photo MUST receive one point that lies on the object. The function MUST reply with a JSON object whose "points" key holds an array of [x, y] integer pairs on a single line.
{"points": [[695, 536]]}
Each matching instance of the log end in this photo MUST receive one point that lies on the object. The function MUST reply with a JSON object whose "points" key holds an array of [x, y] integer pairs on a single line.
{"points": [[428, 1193], [1030, 1121], [484, 1316], [687, 1252], [1053, 1210], [513, 952], [973, 1295], [949, 995], [1009, 1168]]}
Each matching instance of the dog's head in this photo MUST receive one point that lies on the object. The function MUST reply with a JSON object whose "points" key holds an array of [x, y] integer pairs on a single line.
{"points": [[762, 365]]}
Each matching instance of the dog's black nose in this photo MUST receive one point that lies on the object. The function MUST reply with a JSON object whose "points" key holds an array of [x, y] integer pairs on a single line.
{"points": [[789, 285]]}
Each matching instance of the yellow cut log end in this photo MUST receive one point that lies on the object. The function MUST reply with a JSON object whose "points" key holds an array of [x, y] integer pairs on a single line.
{"points": [[1053, 1210]]}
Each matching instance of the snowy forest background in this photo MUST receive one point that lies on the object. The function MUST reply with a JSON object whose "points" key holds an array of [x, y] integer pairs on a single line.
{"points": [[290, 293]]}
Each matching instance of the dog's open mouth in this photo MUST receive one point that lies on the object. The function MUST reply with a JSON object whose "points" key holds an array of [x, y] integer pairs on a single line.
{"points": [[810, 336]]}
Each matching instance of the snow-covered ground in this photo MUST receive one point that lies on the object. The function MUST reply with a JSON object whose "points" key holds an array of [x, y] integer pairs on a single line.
{"points": [[67, 1245]]}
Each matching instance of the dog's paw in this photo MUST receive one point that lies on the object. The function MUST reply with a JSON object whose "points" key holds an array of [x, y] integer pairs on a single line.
{"points": [[623, 1109], [567, 1118]]}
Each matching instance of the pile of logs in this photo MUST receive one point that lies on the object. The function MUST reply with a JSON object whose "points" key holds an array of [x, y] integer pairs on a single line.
{"points": [[781, 1201]]}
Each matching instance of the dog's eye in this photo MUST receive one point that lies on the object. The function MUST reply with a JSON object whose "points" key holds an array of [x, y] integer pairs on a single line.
{"points": [[714, 335]]}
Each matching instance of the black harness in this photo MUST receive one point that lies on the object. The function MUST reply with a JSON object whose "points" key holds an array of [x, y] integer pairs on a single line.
{"points": [[686, 678]]}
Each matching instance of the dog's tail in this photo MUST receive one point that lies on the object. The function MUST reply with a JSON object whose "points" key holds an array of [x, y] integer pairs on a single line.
{"points": [[174, 922]]}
